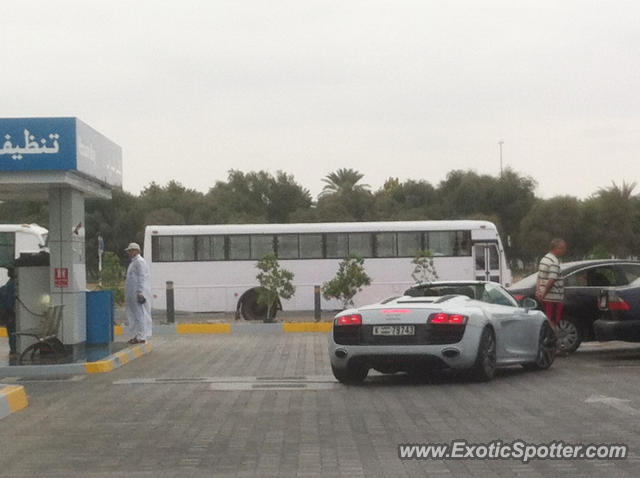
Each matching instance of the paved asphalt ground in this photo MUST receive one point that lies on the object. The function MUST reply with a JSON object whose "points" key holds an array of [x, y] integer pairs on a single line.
{"points": [[266, 405]]}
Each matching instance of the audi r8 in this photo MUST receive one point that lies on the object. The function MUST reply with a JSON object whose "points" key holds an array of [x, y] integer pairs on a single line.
{"points": [[471, 325]]}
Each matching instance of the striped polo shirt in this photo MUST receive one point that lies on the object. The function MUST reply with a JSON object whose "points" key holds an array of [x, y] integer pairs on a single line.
{"points": [[549, 268]]}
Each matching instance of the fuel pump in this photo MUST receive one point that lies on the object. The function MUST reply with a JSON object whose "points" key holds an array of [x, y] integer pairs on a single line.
{"points": [[33, 294]]}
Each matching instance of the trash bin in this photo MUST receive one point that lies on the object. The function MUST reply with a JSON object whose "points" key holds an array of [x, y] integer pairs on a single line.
{"points": [[100, 314]]}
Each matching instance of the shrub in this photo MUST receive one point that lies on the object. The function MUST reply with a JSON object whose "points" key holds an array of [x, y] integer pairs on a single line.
{"points": [[275, 283], [349, 280], [112, 276], [424, 270]]}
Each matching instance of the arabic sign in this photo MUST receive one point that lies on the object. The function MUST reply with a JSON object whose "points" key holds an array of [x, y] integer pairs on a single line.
{"points": [[59, 144]]}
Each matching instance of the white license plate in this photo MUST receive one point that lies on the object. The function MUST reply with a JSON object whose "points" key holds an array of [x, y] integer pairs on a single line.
{"points": [[394, 330]]}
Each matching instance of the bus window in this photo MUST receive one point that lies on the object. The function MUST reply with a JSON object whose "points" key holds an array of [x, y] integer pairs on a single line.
{"points": [[209, 248], [184, 249], [311, 246], [337, 245], [239, 247], [462, 246], [163, 249], [261, 245], [386, 244], [360, 244], [288, 246], [409, 244], [7, 248], [203, 248], [441, 243]]}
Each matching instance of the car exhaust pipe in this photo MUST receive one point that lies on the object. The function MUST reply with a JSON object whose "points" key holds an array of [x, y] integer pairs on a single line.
{"points": [[341, 353], [451, 353]]}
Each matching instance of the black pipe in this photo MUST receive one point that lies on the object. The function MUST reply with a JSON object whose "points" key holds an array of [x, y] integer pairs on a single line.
{"points": [[316, 303], [171, 310]]}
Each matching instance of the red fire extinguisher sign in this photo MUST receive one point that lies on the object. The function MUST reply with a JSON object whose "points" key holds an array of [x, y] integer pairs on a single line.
{"points": [[61, 277]]}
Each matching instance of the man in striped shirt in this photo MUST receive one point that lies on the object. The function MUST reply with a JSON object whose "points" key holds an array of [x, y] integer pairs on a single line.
{"points": [[550, 284]]}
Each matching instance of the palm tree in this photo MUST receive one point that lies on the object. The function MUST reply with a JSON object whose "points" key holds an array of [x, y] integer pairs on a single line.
{"points": [[343, 180], [622, 193]]}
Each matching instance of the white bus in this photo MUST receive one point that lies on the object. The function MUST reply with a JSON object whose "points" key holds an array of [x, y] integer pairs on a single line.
{"points": [[213, 268], [16, 239]]}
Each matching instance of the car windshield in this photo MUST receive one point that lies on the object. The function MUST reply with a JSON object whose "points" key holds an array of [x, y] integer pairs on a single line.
{"points": [[439, 290], [489, 292]]}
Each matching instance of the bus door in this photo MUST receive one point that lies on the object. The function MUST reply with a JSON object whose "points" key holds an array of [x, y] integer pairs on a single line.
{"points": [[486, 258]]}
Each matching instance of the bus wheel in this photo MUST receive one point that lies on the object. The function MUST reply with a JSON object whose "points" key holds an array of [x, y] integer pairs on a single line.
{"points": [[250, 309]]}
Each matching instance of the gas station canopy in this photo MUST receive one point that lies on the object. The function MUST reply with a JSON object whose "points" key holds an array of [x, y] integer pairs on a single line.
{"points": [[37, 154], [63, 161]]}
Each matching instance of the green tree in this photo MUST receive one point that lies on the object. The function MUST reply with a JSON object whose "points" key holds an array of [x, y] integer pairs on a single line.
{"points": [[465, 194], [24, 212], [173, 202], [348, 281], [343, 180], [345, 207], [612, 225], [112, 277], [424, 270], [560, 216], [408, 201], [275, 284], [257, 197], [119, 221]]}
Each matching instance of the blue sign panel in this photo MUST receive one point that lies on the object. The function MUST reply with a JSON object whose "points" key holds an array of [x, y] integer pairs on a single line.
{"points": [[97, 156], [59, 144], [37, 144]]}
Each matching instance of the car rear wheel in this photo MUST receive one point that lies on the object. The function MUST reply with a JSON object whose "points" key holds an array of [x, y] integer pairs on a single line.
{"points": [[352, 374], [569, 335], [547, 344], [485, 366]]}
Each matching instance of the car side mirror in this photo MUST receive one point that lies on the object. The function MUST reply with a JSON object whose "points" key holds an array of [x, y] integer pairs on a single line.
{"points": [[529, 304]]}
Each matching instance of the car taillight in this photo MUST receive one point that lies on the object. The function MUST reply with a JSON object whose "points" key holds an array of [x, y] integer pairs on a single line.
{"points": [[354, 319], [616, 303], [449, 319], [518, 297]]}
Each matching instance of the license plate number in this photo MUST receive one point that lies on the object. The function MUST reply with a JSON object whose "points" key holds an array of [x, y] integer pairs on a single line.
{"points": [[394, 330]]}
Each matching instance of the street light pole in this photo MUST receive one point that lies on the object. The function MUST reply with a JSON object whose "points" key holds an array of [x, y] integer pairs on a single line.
{"points": [[500, 143]]}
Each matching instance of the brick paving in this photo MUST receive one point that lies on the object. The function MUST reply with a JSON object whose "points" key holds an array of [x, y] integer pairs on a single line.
{"points": [[115, 425]]}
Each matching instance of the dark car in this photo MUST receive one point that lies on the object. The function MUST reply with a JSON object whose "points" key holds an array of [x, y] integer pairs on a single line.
{"points": [[584, 281], [617, 321]]}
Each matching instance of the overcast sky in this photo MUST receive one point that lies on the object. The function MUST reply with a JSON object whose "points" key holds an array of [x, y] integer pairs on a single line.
{"points": [[411, 89]]}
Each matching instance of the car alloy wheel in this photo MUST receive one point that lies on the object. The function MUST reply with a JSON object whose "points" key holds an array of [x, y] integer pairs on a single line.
{"points": [[547, 345], [485, 366], [569, 336]]}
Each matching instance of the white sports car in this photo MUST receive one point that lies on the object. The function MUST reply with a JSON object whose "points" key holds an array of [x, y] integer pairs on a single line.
{"points": [[459, 325]]}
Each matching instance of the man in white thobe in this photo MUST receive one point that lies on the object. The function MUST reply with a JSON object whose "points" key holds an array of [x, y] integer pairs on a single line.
{"points": [[138, 296]]}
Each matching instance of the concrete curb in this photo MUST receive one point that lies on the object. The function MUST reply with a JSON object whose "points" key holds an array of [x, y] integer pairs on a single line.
{"points": [[108, 364], [13, 398], [227, 328], [232, 328]]}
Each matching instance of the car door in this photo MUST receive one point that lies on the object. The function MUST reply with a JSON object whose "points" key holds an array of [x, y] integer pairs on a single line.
{"points": [[582, 289], [516, 333]]}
